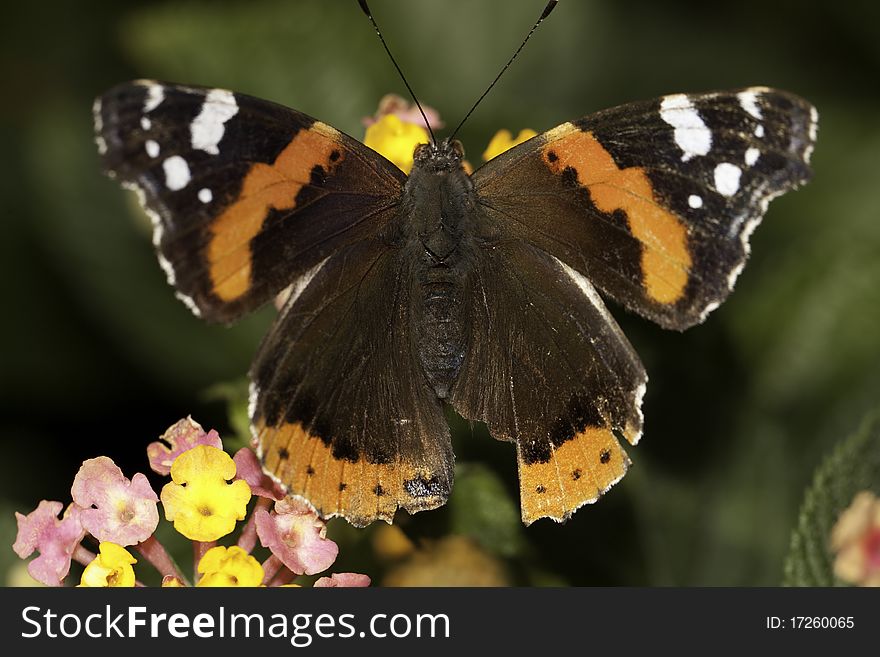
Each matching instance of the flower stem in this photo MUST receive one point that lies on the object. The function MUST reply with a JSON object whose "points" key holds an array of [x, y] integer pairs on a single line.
{"points": [[285, 576], [199, 549], [83, 556], [154, 552], [248, 538], [270, 568]]}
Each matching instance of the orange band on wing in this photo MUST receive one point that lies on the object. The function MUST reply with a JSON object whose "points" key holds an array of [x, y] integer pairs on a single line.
{"points": [[265, 186], [359, 491], [578, 472], [665, 257]]}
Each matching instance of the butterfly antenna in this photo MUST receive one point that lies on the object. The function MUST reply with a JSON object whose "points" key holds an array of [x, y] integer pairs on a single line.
{"points": [[366, 10], [550, 6]]}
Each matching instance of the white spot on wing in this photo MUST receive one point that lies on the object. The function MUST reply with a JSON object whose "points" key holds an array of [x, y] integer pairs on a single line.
{"points": [[207, 128], [99, 126], [189, 303], [146, 124], [759, 131], [727, 178], [165, 264], [814, 123], [152, 148], [638, 397], [695, 201], [177, 175], [734, 274], [812, 133], [752, 155], [708, 309], [155, 96], [691, 134], [205, 195], [155, 219], [748, 100]]}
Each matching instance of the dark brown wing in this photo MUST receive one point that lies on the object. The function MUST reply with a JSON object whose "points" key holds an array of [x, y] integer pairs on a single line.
{"points": [[341, 409], [548, 368]]}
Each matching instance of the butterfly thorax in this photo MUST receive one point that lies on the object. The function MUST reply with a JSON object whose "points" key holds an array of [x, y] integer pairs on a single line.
{"points": [[437, 215]]}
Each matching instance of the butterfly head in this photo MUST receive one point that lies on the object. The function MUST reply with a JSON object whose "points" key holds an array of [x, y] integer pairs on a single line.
{"points": [[445, 155]]}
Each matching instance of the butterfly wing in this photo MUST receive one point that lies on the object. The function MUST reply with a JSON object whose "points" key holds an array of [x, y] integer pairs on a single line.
{"points": [[550, 370], [246, 196], [342, 412], [654, 202]]}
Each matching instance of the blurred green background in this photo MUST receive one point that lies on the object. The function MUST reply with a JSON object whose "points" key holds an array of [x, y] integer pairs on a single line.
{"points": [[99, 358]]}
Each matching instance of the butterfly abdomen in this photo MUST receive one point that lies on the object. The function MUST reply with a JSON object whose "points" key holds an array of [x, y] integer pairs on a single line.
{"points": [[441, 336], [440, 233]]}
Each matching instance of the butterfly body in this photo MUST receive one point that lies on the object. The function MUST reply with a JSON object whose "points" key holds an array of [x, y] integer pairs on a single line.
{"points": [[481, 292], [437, 221]]}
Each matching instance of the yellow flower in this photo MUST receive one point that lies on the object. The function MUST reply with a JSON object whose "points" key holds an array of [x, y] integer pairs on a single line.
{"points": [[230, 566], [199, 500], [172, 582], [391, 544], [503, 140], [396, 140], [112, 567]]}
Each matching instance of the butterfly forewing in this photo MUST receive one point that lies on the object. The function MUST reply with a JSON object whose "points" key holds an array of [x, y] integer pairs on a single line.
{"points": [[655, 201], [246, 196]]}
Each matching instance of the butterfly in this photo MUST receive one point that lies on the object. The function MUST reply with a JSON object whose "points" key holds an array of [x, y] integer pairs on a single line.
{"points": [[483, 292]]}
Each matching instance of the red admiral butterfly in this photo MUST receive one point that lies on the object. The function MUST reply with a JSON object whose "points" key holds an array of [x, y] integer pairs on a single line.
{"points": [[478, 291]]}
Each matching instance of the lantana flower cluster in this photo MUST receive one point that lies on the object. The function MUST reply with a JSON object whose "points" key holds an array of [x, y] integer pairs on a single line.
{"points": [[207, 496]]}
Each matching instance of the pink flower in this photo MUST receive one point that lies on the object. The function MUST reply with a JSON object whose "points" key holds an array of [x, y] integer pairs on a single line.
{"points": [[180, 437], [405, 111], [855, 541], [339, 580], [114, 509], [248, 467], [296, 535], [55, 540]]}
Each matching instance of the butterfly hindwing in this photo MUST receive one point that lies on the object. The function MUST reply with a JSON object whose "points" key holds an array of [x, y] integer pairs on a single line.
{"points": [[655, 201], [246, 196], [342, 414], [549, 369]]}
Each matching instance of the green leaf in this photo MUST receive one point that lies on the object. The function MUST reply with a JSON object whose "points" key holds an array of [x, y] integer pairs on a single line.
{"points": [[482, 509], [853, 466], [235, 395]]}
